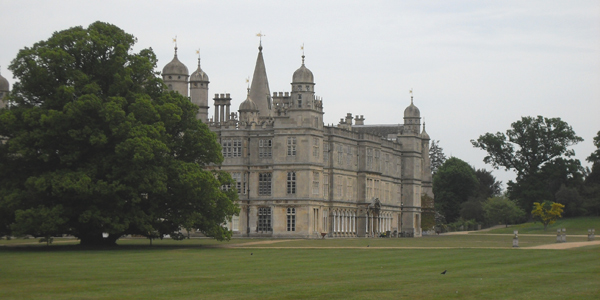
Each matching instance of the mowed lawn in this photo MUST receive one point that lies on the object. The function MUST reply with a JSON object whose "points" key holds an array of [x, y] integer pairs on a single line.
{"points": [[372, 269]]}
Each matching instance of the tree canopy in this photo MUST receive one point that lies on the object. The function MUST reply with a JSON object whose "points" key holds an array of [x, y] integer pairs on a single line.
{"points": [[547, 212], [502, 210], [94, 140], [453, 184], [538, 150]]}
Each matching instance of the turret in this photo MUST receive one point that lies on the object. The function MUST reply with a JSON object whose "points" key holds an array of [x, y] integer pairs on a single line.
{"points": [[199, 92], [303, 88], [175, 75]]}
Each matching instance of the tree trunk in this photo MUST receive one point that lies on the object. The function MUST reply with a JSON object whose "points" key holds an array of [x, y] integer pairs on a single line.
{"points": [[96, 240]]}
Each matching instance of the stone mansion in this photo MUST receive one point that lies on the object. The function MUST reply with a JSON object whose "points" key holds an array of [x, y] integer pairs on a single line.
{"points": [[297, 177]]}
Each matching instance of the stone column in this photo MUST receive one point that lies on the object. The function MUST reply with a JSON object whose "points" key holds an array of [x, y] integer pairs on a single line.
{"points": [[516, 239], [564, 235]]}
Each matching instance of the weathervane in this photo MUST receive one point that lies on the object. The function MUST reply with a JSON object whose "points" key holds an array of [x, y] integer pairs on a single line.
{"points": [[175, 41], [411, 96], [198, 52], [302, 48], [260, 35]]}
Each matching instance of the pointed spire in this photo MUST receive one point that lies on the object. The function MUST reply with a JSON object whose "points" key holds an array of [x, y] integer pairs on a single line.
{"points": [[259, 89]]}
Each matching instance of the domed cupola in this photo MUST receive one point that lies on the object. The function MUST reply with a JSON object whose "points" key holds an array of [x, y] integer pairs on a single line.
{"points": [[412, 111], [248, 104], [303, 74], [248, 110], [175, 75], [412, 119], [175, 67], [199, 75]]}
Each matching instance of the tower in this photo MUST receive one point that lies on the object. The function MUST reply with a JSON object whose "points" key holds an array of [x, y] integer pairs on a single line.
{"points": [[199, 92], [411, 171], [175, 75]]}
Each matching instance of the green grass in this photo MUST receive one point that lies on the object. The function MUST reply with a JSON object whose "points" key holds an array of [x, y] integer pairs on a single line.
{"points": [[577, 226], [197, 269]]}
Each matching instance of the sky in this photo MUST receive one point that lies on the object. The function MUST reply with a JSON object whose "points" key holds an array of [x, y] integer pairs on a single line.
{"points": [[474, 66]]}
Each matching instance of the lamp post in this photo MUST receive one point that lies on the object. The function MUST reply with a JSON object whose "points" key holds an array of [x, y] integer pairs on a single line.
{"points": [[401, 211]]}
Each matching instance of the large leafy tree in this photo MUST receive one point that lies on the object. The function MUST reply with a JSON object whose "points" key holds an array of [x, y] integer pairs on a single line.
{"points": [[94, 141], [453, 184], [538, 150]]}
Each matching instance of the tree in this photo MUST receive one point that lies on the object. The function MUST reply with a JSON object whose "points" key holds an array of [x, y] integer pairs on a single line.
{"points": [[472, 209], [453, 184], [591, 186], [547, 212], [488, 186], [39, 221], [530, 145], [436, 156], [570, 198], [502, 210], [93, 130]]}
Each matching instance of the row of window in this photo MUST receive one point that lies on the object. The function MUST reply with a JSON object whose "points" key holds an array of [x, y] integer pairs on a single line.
{"points": [[344, 187], [265, 219], [233, 148]]}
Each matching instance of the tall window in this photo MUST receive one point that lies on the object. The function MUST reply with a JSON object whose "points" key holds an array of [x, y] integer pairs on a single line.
{"points": [[387, 162], [339, 186], [369, 189], [340, 151], [237, 176], [349, 156], [325, 214], [291, 182], [325, 186], [325, 152], [299, 100], [377, 161], [232, 147], [376, 188], [349, 189], [291, 219], [316, 179], [265, 148], [235, 221], [369, 158], [291, 146], [264, 184], [316, 150], [264, 219]]}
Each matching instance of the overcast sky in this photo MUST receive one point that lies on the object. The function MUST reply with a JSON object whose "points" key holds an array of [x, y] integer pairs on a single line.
{"points": [[474, 66]]}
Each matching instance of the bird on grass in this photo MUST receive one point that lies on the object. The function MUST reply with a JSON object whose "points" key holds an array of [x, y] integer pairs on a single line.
{"points": [[250, 253], [444, 273]]}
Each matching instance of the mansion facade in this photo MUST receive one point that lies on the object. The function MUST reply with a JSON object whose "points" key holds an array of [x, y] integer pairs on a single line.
{"points": [[297, 177]]}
